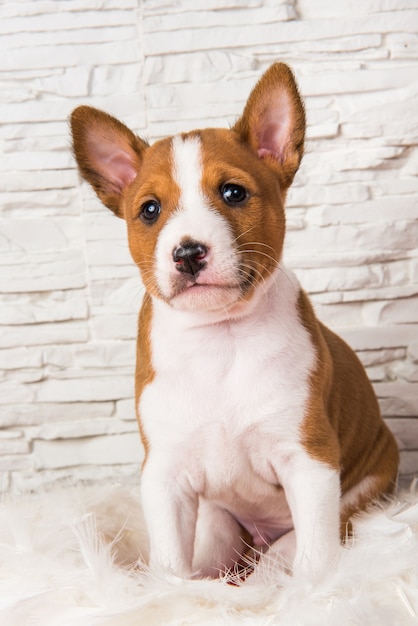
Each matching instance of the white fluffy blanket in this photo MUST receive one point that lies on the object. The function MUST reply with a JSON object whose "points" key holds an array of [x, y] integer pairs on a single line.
{"points": [[66, 559]]}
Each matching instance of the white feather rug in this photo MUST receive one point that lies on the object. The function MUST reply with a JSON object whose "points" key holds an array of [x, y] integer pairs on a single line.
{"points": [[66, 560]]}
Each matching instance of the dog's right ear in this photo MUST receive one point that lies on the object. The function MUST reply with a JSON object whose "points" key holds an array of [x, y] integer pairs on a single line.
{"points": [[108, 154]]}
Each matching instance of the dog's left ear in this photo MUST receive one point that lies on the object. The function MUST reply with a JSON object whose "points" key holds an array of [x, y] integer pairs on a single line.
{"points": [[273, 122]]}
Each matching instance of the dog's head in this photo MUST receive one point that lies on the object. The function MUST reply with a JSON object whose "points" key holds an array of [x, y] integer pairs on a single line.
{"points": [[204, 209]]}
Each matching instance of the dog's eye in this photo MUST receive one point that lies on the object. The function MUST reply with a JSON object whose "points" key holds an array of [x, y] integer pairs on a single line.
{"points": [[150, 211], [233, 194]]}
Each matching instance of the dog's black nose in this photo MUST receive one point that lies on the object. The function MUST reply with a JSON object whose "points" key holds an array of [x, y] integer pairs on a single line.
{"points": [[190, 257]]}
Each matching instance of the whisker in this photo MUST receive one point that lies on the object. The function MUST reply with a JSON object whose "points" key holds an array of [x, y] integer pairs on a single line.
{"points": [[268, 256], [244, 233], [259, 281], [256, 243]]}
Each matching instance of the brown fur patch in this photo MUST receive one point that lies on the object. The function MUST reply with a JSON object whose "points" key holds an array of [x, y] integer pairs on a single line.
{"points": [[144, 373], [343, 426]]}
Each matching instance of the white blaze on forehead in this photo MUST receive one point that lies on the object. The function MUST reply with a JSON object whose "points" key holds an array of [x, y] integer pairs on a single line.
{"points": [[195, 219], [187, 172]]}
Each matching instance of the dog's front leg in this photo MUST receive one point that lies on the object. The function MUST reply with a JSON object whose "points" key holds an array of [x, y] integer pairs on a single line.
{"points": [[170, 508], [313, 492]]}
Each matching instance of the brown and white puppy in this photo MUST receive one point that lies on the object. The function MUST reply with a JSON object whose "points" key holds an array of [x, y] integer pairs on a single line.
{"points": [[254, 416]]}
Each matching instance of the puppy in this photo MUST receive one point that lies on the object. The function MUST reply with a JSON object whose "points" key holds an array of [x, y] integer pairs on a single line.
{"points": [[256, 419]]}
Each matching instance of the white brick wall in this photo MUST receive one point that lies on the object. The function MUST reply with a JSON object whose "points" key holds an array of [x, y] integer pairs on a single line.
{"points": [[70, 294]]}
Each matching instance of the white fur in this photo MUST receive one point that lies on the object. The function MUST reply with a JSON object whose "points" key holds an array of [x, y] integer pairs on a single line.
{"points": [[222, 418], [194, 219], [64, 556]]}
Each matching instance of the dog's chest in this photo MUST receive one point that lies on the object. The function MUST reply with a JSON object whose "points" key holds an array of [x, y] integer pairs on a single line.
{"points": [[234, 388]]}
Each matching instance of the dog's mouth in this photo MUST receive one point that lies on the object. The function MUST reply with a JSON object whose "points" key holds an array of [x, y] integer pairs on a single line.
{"points": [[201, 295]]}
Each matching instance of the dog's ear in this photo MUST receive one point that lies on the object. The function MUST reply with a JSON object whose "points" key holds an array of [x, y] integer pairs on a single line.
{"points": [[108, 154], [273, 122]]}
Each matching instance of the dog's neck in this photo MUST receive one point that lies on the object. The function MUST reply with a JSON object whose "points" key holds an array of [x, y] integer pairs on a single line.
{"points": [[282, 284]]}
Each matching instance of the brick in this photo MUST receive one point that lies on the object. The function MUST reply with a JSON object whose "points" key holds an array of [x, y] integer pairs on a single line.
{"points": [[83, 389], [91, 373], [41, 234], [383, 210], [125, 409], [160, 6], [403, 46], [341, 279], [339, 45], [333, 194], [7, 435], [35, 181], [108, 80], [105, 226], [375, 357], [69, 36], [217, 19], [213, 64], [403, 370], [40, 334], [405, 431], [360, 158], [398, 398], [5, 482], [24, 375], [26, 131], [413, 351], [103, 253], [374, 338], [16, 358], [33, 161], [59, 356], [246, 36], [342, 8], [54, 306], [13, 446], [365, 295], [15, 462], [80, 429], [123, 296], [106, 327], [42, 201], [341, 314], [72, 82], [401, 235], [106, 354], [13, 392], [105, 273], [50, 56], [46, 7], [58, 110], [31, 414], [22, 481], [33, 235], [411, 166], [409, 463], [43, 271], [374, 108], [105, 450], [399, 311]]}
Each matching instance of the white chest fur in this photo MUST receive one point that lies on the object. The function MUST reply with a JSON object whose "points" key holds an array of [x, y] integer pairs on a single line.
{"points": [[228, 399]]}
